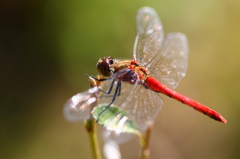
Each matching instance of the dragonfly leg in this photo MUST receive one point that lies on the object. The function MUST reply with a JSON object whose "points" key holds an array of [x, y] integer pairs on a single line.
{"points": [[104, 79], [110, 89], [116, 93]]}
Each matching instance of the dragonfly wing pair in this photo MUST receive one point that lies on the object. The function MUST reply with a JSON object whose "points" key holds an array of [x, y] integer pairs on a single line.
{"points": [[165, 59]]}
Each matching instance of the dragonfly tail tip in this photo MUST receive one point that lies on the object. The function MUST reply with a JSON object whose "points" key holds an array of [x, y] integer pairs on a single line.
{"points": [[223, 120]]}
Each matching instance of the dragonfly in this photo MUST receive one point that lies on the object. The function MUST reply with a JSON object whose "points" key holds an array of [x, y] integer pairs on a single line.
{"points": [[134, 86], [158, 66]]}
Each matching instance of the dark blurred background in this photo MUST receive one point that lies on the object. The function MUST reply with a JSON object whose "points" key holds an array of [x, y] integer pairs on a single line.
{"points": [[47, 46]]}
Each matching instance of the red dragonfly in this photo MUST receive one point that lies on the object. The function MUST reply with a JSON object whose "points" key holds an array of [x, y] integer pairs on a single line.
{"points": [[158, 66], [134, 86]]}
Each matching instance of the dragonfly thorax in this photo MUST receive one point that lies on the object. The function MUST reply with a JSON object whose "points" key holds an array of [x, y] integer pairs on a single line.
{"points": [[141, 71], [130, 71], [128, 75]]}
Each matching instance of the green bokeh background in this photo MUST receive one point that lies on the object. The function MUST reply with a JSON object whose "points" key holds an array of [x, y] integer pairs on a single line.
{"points": [[47, 46]]}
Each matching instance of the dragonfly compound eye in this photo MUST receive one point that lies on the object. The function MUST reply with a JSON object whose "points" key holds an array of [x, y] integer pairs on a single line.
{"points": [[111, 62], [103, 67]]}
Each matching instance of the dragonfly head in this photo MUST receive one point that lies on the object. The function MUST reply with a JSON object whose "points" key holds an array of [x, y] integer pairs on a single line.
{"points": [[106, 66]]}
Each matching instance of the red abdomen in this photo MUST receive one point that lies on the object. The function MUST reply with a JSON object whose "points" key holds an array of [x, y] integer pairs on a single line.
{"points": [[155, 85]]}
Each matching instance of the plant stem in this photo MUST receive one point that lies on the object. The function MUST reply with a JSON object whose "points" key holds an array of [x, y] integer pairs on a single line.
{"points": [[145, 139], [90, 126]]}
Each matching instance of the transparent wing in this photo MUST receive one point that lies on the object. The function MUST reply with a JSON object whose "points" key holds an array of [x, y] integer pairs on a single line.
{"points": [[170, 65], [142, 105], [149, 37], [78, 107]]}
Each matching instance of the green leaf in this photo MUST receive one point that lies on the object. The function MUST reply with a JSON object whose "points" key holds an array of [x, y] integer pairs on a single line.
{"points": [[114, 119]]}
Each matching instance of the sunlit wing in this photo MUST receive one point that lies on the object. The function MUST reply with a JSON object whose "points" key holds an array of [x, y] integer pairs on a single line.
{"points": [[78, 107], [170, 65], [142, 105], [149, 37]]}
